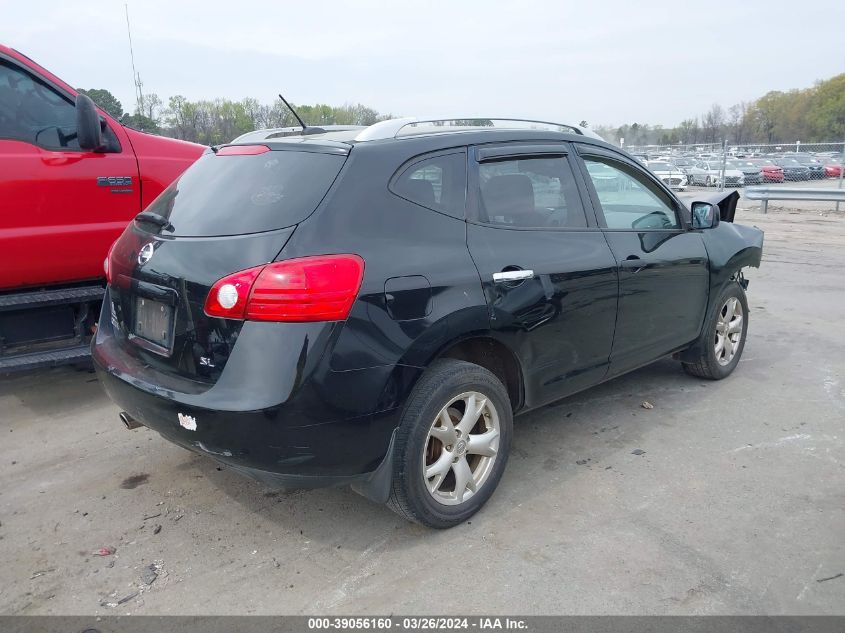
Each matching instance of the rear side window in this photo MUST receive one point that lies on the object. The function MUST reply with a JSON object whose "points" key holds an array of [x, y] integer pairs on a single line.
{"points": [[530, 193], [437, 183], [229, 195]]}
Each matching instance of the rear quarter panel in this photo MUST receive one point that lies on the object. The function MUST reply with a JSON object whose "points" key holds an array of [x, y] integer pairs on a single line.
{"points": [[413, 248]]}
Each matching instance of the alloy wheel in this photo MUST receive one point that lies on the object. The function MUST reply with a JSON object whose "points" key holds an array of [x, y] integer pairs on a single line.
{"points": [[461, 448], [728, 331]]}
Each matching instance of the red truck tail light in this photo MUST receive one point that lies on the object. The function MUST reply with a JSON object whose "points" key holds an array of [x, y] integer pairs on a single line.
{"points": [[321, 288]]}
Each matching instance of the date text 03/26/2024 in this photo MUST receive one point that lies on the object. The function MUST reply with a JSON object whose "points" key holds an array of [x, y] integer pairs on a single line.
{"points": [[417, 624]]}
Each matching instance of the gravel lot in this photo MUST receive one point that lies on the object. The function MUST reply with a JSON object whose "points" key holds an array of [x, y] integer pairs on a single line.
{"points": [[737, 505]]}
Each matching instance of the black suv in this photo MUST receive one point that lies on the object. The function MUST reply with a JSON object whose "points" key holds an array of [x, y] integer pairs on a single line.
{"points": [[372, 306]]}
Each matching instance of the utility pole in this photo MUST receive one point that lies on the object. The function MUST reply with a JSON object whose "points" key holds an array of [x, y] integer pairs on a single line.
{"points": [[136, 78]]}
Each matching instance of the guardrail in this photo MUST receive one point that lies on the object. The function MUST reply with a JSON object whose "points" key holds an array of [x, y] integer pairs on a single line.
{"points": [[794, 193]]}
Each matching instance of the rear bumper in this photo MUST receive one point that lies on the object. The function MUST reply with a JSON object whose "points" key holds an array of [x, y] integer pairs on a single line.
{"points": [[319, 428]]}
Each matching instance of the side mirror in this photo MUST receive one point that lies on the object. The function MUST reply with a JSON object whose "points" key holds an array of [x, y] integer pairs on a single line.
{"points": [[704, 215], [89, 131]]}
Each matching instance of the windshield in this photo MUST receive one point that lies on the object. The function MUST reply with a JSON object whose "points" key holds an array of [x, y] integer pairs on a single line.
{"points": [[227, 195], [660, 166]]}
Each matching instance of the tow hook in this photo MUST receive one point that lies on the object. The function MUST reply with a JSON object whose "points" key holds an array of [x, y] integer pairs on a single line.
{"points": [[128, 421]]}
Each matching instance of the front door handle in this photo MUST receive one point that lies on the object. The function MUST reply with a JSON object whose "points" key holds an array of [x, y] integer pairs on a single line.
{"points": [[633, 263], [512, 275]]}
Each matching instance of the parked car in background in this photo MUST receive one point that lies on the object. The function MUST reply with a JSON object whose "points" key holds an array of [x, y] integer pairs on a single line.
{"points": [[683, 163], [792, 169], [833, 168], [669, 174], [751, 173], [372, 307], [813, 164], [709, 174], [769, 171]]}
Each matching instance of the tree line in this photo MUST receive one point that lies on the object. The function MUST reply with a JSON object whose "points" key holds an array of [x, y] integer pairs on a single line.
{"points": [[815, 114], [216, 121]]}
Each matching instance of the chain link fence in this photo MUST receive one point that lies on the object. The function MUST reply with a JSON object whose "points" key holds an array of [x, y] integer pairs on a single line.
{"points": [[724, 165]]}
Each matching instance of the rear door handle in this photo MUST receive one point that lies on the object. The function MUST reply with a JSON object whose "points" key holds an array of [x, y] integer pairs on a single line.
{"points": [[512, 275]]}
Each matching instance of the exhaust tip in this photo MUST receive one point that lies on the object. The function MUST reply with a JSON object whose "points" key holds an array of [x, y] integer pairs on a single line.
{"points": [[128, 421]]}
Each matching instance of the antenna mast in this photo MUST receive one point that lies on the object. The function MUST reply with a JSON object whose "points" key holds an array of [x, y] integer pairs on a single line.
{"points": [[298, 118], [136, 78]]}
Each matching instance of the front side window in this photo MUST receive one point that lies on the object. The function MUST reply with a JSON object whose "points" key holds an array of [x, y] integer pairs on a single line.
{"points": [[630, 200], [529, 193], [437, 183], [31, 111]]}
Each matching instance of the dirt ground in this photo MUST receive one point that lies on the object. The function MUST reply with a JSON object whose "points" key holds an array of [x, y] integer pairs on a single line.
{"points": [[725, 498]]}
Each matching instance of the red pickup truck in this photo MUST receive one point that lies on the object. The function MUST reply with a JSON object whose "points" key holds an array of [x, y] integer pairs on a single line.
{"points": [[71, 178]]}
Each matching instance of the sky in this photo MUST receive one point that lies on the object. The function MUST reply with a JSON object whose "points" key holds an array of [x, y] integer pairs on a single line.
{"points": [[606, 61]]}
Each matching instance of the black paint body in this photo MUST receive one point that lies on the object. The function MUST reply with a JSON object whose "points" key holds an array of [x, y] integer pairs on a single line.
{"points": [[311, 404]]}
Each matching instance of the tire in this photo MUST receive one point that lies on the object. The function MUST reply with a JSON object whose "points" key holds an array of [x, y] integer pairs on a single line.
{"points": [[716, 361], [424, 440], [707, 181]]}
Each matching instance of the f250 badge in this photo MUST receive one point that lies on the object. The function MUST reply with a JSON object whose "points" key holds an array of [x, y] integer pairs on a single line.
{"points": [[187, 421], [114, 181], [118, 184]]}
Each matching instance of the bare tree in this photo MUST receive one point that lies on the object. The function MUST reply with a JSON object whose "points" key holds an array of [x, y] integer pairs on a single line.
{"points": [[152, 107], [713, 121], [739, 121]]}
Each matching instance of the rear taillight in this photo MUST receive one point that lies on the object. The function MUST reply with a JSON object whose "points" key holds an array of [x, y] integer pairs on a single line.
{"points": [[321, 288], [219, 301]]}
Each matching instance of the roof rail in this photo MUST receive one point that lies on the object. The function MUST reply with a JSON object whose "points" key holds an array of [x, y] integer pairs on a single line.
{"points": [[385, 129], [267, 134], [392, 128]]}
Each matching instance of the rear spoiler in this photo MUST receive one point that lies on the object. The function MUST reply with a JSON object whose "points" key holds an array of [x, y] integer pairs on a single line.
{"points": [[725, 200]]}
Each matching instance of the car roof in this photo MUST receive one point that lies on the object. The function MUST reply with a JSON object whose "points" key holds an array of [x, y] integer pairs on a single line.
{"points": [[411, 131]]}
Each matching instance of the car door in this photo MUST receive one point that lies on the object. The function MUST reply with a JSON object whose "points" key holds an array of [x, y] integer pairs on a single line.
{"points": [[60, 207], [663, 265], [549, 277]]}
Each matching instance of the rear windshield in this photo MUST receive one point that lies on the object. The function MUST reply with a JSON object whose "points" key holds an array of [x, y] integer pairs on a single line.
{"points": [[229, 195]]}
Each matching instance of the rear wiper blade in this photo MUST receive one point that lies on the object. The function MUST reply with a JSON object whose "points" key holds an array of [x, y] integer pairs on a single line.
{"points": [[153, 218]]}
